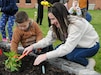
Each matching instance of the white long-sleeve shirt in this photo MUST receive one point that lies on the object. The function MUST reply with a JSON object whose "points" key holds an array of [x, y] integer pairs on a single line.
{"points": [[81, 34]]}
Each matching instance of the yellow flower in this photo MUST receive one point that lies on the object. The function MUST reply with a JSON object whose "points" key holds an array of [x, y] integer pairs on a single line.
{"points": [[42, 2], [46, 3]]}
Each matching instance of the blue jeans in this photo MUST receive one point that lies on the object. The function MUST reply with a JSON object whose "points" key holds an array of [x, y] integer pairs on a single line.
{"points": [[80, 55]]}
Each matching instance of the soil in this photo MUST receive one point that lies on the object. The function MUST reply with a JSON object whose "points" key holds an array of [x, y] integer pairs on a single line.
{"points": [[27, 68]]}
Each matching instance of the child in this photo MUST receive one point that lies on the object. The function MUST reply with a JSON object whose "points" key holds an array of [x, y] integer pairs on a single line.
{"points": [[8, 9], [26, 32], [75, 9]]}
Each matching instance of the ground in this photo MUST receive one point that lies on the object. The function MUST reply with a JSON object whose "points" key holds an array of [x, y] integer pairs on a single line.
{"points": [[27, 68]]}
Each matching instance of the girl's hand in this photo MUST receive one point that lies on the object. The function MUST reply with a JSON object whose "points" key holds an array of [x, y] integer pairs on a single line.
{"points": [[28, 50], [40, 59]]}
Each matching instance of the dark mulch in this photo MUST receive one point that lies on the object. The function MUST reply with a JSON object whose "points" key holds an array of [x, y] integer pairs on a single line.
{"points": [[28, 68]]}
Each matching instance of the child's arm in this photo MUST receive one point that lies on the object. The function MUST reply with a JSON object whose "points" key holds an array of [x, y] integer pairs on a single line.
{"points": [[15, 41], [71, 10]]}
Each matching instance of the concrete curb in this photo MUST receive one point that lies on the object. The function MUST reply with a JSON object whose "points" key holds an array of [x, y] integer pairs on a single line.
{"points": [[71, 67]]}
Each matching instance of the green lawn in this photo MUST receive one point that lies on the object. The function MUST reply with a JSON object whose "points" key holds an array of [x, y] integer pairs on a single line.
{"points": [[96, 17]]}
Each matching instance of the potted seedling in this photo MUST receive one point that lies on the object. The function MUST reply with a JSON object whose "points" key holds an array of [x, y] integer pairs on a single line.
{"points": [[11, 62]]}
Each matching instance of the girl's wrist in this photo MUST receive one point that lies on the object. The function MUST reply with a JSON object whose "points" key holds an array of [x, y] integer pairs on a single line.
{"points": [[32, 47]]}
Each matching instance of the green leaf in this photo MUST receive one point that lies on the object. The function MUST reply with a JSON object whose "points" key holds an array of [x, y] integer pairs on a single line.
{"points": [[7, 54], [11, 63]]}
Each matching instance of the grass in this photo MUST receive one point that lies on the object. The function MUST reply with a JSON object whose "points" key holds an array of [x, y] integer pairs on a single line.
{"points": [[96, 17]]}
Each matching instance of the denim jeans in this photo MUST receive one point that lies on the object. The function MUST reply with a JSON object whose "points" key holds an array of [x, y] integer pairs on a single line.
{"points": [[80, 55]]}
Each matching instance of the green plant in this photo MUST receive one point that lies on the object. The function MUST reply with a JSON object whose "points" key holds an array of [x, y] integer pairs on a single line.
{"points": [[11, 62]]}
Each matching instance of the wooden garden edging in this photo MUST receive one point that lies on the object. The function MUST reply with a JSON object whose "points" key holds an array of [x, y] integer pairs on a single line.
{"points": [[71, 67]]}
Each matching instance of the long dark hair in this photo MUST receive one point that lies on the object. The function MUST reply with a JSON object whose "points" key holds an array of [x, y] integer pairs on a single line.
{"points": [[61, 13]]}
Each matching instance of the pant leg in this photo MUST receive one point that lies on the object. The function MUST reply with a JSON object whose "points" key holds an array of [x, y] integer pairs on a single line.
{"points": [[41, 14], [3, 21], [84, 11], [80, 55], [11, 20], [38, 14]]}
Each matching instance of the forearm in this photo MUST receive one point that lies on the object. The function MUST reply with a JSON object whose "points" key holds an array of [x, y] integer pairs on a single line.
{"points": [[42, 43], [14, 47], [71, 10]]}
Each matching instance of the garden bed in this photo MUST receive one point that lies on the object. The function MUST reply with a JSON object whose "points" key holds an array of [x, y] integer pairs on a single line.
{"points": [[27, 68]]}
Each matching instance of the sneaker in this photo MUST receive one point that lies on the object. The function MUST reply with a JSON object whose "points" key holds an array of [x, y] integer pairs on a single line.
{"points": [[4, 40], [91, 64]]}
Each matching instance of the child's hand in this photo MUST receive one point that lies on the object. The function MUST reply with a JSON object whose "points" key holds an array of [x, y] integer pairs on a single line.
{"points": [[74, 8]]}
